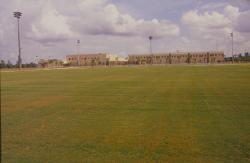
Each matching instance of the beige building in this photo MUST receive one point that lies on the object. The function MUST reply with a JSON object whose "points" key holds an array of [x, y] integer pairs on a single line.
{"points": [[177, 58], [95, 59]]}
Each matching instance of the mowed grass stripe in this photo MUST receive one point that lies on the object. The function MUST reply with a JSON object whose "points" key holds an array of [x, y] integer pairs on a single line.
{"points": [[127, 114]]}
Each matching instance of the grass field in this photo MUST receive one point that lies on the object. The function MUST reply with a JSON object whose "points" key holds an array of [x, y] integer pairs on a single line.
{"points": [[127, 114]]}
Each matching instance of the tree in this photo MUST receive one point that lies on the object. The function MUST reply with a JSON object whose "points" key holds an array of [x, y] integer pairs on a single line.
{"points": [[247, 57], [2, 64], [170, 59], [188, 58], [107, 62], [92, 62], [9, 64], [66, 64], [30, 65]]}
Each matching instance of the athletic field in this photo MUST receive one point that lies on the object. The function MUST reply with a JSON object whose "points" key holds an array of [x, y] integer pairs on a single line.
{"points": [[127, 114]]}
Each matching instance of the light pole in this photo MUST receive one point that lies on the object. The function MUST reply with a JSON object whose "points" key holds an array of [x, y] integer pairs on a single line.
{"points": [[18, 16], [37, 61], [77, 49], [216, 44], [232, 35], [150, 43], [151, 52]]}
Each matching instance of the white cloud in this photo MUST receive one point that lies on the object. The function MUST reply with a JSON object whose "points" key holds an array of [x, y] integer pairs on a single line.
{"points": [[50, 26], [231, 12], [95, 17], [213, 27], [231, 19], [206, 20], [100, 17]]}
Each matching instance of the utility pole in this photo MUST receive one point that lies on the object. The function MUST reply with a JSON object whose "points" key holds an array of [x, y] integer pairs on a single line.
{"points": [[232, 35], [18, 16]]}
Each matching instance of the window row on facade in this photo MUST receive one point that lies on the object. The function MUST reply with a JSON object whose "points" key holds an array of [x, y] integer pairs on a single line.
{"points": [[171, 58]]}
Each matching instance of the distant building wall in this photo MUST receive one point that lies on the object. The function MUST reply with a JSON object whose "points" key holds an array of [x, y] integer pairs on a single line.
{"points": [[87, 59], [94, 59], [177, 58]]}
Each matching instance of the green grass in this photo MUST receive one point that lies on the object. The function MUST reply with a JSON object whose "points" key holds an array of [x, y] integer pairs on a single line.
{"points": [[127, 114]]}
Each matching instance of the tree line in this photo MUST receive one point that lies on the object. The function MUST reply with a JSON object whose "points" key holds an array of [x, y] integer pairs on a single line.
{"points": [[240, 57], [9, 64]]}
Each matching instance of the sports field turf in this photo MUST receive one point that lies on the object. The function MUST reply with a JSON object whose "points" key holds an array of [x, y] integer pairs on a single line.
{"points": [[127, 114]]}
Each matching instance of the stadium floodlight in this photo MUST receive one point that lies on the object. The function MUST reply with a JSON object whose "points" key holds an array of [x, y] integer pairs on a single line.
{"points": [[232, 35], [37, 59], [18, 16], [151, 51], [78, 53], [150, 43]]}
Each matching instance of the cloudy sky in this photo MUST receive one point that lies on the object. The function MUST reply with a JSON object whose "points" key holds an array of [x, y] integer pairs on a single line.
{"points": [[50, 28]]}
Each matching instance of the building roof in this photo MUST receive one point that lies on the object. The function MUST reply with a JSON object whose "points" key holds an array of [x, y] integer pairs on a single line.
{"points": [[178, 53]]}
